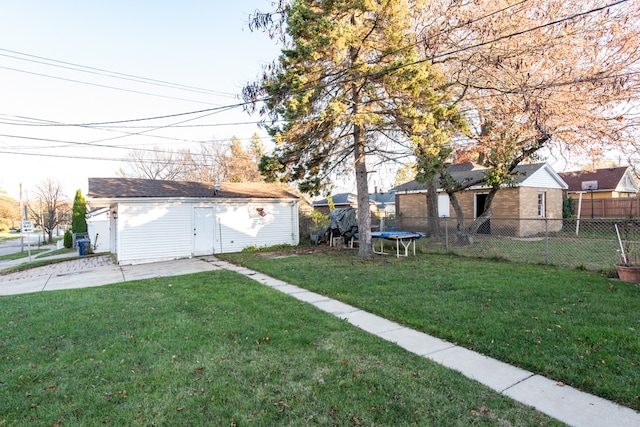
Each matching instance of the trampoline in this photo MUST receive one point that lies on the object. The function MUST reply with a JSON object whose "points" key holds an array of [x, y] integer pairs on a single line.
{"points": [[404, 238]]}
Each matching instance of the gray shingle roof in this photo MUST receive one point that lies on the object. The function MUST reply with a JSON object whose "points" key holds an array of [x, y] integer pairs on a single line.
{"points": [[466, 172], [338, 200], [119, 188]]}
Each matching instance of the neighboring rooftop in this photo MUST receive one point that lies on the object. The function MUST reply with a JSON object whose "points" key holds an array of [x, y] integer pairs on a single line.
{"points": [[469, 172], [350, 199], [340, 199], [607, 179]]}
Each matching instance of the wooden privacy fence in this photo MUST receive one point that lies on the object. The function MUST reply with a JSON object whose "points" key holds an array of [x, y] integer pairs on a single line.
{"points": [[608, 208]]}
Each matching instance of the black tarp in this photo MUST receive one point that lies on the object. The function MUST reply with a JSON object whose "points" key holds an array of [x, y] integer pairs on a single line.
{"points": [[344, 220]]}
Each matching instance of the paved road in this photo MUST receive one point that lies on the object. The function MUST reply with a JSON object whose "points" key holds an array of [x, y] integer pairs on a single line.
{"points": [[12, 246]]}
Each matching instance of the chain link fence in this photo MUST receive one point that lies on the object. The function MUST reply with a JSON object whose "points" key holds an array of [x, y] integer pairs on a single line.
{"points": [[591, 243]]}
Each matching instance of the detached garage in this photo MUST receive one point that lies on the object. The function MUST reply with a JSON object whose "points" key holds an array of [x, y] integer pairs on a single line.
{"points": [[154, 220]]}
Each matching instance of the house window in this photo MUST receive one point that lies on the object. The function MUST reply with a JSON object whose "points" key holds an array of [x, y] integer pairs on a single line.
{"points": [[541, 205]]}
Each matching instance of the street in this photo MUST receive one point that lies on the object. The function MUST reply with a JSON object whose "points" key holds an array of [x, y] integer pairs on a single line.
{"points": [[13, 245]]}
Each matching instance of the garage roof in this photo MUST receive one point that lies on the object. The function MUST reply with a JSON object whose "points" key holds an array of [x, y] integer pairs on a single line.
{"points": [[119, 188]]}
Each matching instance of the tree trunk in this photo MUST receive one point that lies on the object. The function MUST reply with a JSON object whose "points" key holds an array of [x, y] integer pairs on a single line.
{"points": [[485, 215], [463, 238], [362, 188], [432, 208], [365, 247]]}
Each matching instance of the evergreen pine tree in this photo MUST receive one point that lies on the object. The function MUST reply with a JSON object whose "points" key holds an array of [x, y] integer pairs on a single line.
{"points": [[348, 85], [78, 218]]}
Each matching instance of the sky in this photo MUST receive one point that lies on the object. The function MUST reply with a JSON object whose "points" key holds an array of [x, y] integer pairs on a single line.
{"points": [[68, 68], [83, 83]]}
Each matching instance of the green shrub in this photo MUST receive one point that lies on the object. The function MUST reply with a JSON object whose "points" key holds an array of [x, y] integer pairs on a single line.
{"points": [[68, 239]]}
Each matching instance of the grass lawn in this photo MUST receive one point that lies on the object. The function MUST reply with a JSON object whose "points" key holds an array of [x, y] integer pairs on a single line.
{"points": [[59, 252], [216, 348], [573, 326], [20, 255], [8, 235], [591, 254]]}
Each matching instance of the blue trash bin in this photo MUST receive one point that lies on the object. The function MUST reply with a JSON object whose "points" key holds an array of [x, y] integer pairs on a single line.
{"points": [[83, 246]]}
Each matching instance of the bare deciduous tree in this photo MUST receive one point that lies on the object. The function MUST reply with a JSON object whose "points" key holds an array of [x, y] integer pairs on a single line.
{"points": [[210, 162], [50, 208], [560, 75], [156, 164]]}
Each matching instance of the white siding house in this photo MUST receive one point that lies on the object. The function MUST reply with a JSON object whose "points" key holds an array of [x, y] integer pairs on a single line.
{"points": [[98, 229], [152, 220]]}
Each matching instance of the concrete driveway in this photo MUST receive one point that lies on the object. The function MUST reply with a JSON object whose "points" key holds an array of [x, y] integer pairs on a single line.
{"points": [[95, 271]]}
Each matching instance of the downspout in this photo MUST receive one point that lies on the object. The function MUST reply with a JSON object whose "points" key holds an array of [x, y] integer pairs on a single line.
{"points": [[220, 233]]}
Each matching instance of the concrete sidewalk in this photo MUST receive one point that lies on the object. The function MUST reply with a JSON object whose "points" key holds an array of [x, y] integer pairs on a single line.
{"points": [[564, 403], [93, 271]]}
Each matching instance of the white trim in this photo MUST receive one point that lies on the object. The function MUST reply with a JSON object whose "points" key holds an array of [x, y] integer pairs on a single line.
{"points": [[543, 204], [475, 202]]}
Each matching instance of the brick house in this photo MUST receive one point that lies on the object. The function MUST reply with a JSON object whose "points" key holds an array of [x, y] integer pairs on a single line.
{"points": [[604, 193], [537, 193], [608, 183]]}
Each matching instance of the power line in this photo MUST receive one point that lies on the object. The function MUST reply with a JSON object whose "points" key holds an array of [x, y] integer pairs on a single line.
{"points": [[372, 74], [62, 156], [107, 86], [519, 33], [448, 30], [141, 119], [112, 74], [96, 143], [317, 83], [511, 35], [49, 123]]}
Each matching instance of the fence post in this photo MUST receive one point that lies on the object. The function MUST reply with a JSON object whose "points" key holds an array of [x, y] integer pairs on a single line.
{"points": [[446, 234], [546, 241]]}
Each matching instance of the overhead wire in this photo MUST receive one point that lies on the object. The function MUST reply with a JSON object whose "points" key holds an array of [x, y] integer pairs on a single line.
{"points": [[108, 87], [164, 83], [388, 70], [112, 74]]}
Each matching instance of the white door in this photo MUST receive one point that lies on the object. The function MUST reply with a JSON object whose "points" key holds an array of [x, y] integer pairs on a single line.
{"points": [[443, 205], [203, 230]]}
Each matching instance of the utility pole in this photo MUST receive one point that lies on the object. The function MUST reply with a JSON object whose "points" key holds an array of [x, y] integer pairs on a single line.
{"points": [[21, 231]]}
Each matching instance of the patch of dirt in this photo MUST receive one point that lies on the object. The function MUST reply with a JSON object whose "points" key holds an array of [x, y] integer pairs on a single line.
{"points": [[303, 250]]}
